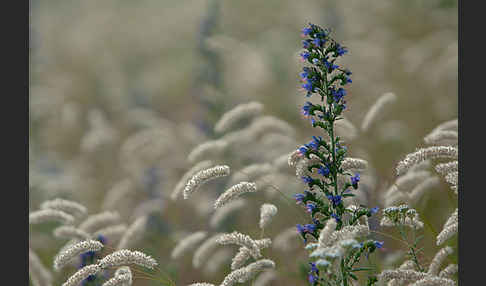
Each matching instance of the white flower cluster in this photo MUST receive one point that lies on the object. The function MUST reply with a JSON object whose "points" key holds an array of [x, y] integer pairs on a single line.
{"points": [[267, 212], [241, 240], [401, 215]]}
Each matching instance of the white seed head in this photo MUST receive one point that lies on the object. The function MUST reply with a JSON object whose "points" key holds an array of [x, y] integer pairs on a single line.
{"points": [[354, 164], [187, 244], [452, 178], [82, 274], [134, 233], [438, 260], [68, 231], [207, 149], [183, 181], [127, 257], [426, 153], [39, 274], [267, 212], [49, 215], [112, 233], [449, 271], [202, 284], [234, 192], [97, 221], [447, 233], [63, 257], [326, 232], [402, 275], [445, 168], [377, 109], [122, 277], [235, 115], [441, 137], [203, 177], [70, 207], [244, 253], [241, 240], [434, 281], [246, 273]]}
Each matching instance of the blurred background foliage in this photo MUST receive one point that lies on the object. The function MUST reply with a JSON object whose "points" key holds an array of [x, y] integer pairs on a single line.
{"points": [[102, 71]]}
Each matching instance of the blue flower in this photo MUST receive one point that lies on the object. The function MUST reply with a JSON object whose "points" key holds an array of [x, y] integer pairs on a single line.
{"points": [[300, 229], [303, 150], [310, 207], [312, 279], [305, 44], [336, 217], [308, 86], [323, 170], [305, 55], [306, 108], [307, 179], [374, 210], [299, 198], [310, 227], [304, 75], [317, 42], [314, 269], [340, 50], [355, 180], [379, 244], [330, 66], [338, 94], [336, 200], [315, 61], [102, 239], [306, 31]]}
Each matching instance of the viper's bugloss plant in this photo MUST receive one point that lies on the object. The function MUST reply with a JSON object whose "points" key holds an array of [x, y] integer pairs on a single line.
{"points": [[323, 77]]}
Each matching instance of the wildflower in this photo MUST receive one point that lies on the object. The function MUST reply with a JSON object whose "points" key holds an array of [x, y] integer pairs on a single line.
{"points": [[310, 207], [379, 244], [306, 31], [355, 180], [336, 200], [336, 217], [340, 50], [374, 210], [338, 94], [310, 227], [305, 55], [307, 179], [299, 198], [306, 109]]}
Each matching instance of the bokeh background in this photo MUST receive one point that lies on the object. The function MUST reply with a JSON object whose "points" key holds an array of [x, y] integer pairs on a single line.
{"points": [[122, 91]]}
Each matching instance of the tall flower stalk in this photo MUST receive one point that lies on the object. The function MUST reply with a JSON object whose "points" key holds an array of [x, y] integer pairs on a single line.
{"points": [[323, 77]]}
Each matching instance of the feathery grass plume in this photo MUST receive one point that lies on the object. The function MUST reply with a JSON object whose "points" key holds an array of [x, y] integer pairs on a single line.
{"points": [[117, 193], [422, 166], [234, 192], [449, 271], [286, 240], [223, 212], [403, 186], [434, 281], [265, 278], [70, 207], [354, 164], [346, 129], [235, 115], [345, 233], [134, 233], [202, 284], [326, 232], [241, 240], [418, 192], [267, 212], [122, 277], [438, 259], [244, 253], [39, 274], [268, 124], [204, 250], [445, 168], [404, 275], [207, 149], [64, 256], [68, 231], [442, 137], [112, 233], [185, 178], [302, 167], [246, 273], [187, 243], [294, 157], [48, 215], [217, 260], [448, 125], [406, 265], [451, 178], [424, 154], [125, 257], [377, 109], [97, 221], [82, 274], [203, 177], [447, 232], [250, 173]]}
